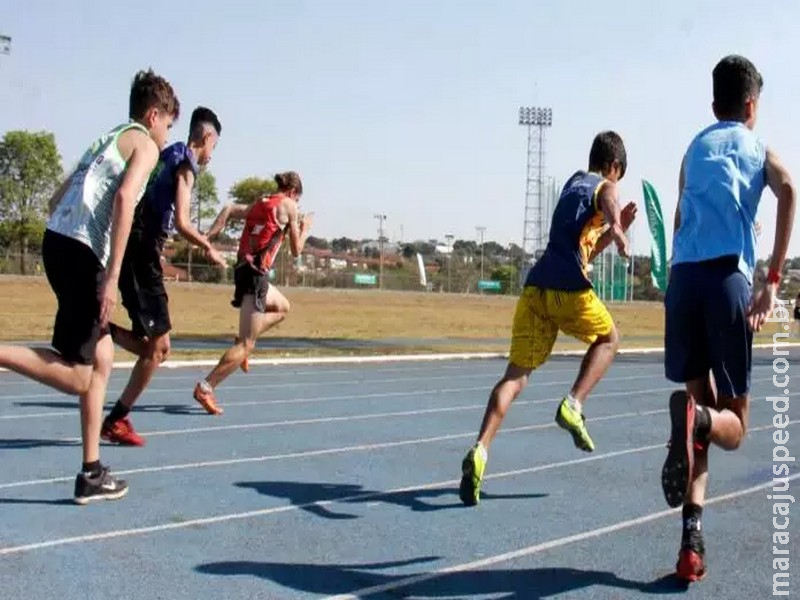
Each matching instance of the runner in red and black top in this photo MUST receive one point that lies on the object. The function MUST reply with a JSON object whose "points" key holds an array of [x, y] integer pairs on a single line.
{"points": [[261, 306]]}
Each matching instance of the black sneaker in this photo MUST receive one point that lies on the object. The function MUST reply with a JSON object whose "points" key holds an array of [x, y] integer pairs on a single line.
{"points": [[101, 487], [676, 473]]}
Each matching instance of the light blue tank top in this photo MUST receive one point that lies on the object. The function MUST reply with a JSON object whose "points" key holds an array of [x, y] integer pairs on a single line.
{"points": [[725, 175]]}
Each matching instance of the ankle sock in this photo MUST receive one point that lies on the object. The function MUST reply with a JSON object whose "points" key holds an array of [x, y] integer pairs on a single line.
{"points": [[205, 386], [692, 527], [120, 411], [575, 404], [91, 469]]}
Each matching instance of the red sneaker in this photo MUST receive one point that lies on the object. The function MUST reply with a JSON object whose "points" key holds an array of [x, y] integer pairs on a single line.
{"points": [[121, 432], [691, 566]]}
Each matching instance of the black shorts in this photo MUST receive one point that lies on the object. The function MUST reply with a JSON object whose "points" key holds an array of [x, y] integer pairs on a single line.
{"points": [[706, 325], [141, 285], [249, 280], [75, 276]]}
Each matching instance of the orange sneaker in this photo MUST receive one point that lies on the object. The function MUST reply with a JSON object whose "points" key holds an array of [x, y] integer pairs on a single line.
{"points": [[207, 400]]}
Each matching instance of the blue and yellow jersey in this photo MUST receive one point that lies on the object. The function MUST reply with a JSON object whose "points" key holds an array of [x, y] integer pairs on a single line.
{"points": [[577, 225]]}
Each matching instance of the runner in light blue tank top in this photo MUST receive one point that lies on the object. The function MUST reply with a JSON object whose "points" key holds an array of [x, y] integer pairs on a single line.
{"points": [[725, 175], [711, 312]]}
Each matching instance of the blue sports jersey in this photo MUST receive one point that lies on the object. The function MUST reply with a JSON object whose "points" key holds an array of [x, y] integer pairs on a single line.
{"points": [[576, 227], [724, 177], [154, 219]]}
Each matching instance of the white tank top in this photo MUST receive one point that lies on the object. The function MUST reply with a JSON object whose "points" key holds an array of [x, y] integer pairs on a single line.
{"points": [[85, 210]]}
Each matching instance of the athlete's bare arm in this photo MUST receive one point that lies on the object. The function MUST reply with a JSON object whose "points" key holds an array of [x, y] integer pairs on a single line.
{"points": [[617, 220], [288, 215], [230, 211], [141, 155], [183, 221]]}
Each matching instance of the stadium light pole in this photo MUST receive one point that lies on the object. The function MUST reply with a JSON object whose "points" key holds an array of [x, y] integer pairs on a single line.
{"points": [[381, 219], [536, 120], [481, 230]]}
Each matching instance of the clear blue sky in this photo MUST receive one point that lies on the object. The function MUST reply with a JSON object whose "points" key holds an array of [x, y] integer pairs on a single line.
{"points": [[409, 108]]}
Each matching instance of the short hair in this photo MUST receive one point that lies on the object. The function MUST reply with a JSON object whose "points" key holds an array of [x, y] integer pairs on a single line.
{"points": [[288, 182], [736, 80], [606, 148], [149, 90], [202, 116]]}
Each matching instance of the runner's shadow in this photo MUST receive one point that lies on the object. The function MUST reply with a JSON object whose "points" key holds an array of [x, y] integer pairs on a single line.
{"points": [[27, 443], [314, 497], [505, 584], [61, 502], [169, 409]]}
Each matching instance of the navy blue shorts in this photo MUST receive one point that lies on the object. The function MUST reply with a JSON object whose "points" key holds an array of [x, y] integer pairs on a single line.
{"points": [[706, 325]]}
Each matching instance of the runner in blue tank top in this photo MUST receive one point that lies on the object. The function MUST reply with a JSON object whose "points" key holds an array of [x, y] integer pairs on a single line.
{"points": [[711, 312], [164, 207]]}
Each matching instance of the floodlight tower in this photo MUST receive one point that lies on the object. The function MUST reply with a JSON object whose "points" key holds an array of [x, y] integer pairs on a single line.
{"points": [[534, 237]]}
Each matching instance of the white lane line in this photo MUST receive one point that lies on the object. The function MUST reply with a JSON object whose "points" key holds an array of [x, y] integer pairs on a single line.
{"points": [[324, 451], [317, 399], [286, 373], [293, 384], [362, 417], [405, 582], [294, 507]]}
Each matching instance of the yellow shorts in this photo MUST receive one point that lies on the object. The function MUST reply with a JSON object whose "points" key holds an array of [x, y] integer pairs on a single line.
{"points": [[540, 314]]}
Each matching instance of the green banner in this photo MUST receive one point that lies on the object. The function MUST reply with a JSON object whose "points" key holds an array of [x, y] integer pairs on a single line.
{"points": [[365, 279], [488, 284], [655, 219]]}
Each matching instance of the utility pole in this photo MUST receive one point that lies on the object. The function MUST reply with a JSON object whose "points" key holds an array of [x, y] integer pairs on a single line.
{"points": [[449, 237], [381, 219], [481, 230]]}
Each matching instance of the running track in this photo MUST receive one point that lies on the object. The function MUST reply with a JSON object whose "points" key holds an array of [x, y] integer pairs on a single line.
{"points": [[341, 481]]}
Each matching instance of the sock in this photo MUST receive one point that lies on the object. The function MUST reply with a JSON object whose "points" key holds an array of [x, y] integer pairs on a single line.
{"points": [[702, 424], [120, 411], [91, 469], [205, 386], [482, 449], [692, 527], [575, 404]]}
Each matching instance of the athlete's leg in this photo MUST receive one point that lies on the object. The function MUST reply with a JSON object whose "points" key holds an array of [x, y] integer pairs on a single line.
{"points": [[128, 340], [95, 482], [117, 427], [253, 322], [582, 315], [532, 339], [48, 368]]}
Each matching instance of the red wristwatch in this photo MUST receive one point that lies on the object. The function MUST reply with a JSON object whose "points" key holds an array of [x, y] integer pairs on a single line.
{"points": [[773, 277]]}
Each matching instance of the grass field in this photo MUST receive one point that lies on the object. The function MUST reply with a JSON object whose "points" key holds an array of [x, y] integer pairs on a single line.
{"points": [[413, 320]]}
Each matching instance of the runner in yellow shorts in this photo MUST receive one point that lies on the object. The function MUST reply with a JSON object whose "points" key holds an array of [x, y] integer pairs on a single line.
{"points": [[558, 296]]}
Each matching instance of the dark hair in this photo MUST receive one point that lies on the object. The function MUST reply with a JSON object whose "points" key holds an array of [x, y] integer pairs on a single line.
{"points": [[288, 182], [148, 90], [606, 148], [736, 80], [202, 116]]}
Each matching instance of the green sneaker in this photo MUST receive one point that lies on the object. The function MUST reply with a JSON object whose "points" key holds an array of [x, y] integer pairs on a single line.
{"points": [[472, 468], [574, 422]]}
